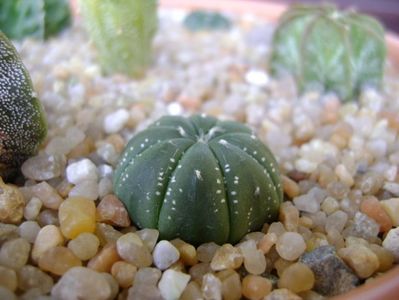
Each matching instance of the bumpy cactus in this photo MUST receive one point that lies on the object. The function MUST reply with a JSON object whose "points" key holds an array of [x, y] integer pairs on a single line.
{"points": [[34, 18], [22, 126], [329, 50], [122, 32], [199, 179]]}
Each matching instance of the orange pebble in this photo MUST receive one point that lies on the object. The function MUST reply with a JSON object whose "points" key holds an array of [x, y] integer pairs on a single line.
{"points": [[104, 260], [372, 208]]}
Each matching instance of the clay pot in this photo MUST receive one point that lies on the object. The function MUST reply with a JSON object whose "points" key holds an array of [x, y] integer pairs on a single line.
{"points": [[386, 286]]}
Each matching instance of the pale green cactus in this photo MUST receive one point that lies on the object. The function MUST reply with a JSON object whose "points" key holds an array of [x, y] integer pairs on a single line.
{"points": [[34, 18], [329, 50], [122, 32]]}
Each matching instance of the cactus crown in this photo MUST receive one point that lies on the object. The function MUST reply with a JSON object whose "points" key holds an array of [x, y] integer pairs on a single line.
{"points": [[122, 32], [328, 49], [199, 179]]}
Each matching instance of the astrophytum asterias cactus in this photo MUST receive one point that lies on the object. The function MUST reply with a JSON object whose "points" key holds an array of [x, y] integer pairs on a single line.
{"points": [[329, 50], [22, 121], [199, 179], [122, 32]]}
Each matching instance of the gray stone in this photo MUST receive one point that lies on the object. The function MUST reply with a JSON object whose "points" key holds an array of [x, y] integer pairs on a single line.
{"points": [[332, 275]]}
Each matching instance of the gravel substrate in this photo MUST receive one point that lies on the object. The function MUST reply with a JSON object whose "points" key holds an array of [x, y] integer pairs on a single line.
{"points": [[64, 235]]}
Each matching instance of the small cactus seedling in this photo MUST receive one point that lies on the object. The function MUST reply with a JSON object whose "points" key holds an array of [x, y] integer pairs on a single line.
{"points": [[23, 126], [35, 18], [329, 50], [206, 20], [122, 32], [199, 179]]}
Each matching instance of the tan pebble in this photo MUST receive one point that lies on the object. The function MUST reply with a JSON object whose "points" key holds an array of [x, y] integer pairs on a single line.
{"points": [[188, 253], [82, 149], [206, 251], [8, 278], [277, 228], [58, 260], [14, 253], [391, 206], [132, 249], [117, 141], [231, 284], [290, 245], [211, 287], [361, 259], [64, 187], [289, 216], [178, 266], [192, 292], [30, 277], [124, 273], [85, 245], [385, 257], [297, 277], [290, 187], [77, 215], [6, 294], [373, 208], [198, 271], [104, 260], [32, 208], [82, 283], [254, 259], [47, 194], [329, 205], [149, 237], [48, 217], [267, 242], [111, 210], [227, 257], [107, 234], [48, 237], [281, 264], [343, 174], [12, 203], [282, 294], [305, 222], [255, 287], [113, 285]]}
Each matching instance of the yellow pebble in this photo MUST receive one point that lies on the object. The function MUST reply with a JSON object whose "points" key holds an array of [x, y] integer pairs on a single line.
{"points": [[255, 287], [124, 273], [391, 206], [297, 277], [77, 215], [58, 260]]}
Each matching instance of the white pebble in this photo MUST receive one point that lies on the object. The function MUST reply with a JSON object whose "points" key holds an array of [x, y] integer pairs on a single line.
{"points": [[86, 188], [391, 242], [290, 245], [257, 78], [306, 203], [29, 230], [172, 284], [81, 170], [32, 208], [165, 254], [104, 186], [115, 121]]}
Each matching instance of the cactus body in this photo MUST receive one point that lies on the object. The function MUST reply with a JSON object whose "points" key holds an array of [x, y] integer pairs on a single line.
{"points": [[34, 18], [199, 179], [23, 126], [122, 32], [329, 50]]}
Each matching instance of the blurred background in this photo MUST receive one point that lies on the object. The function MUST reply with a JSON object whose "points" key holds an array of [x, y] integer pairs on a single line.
{"points": [[387, 11]]}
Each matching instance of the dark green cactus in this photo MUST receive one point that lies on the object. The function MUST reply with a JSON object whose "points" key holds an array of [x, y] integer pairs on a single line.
{"points": [[122, 32], [330, 50], [206, 20], [199, 179], [35, 18], [23, 126]]}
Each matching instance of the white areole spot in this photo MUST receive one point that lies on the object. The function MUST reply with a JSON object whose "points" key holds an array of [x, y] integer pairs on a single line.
{"points": [[257, 191], [222, 142], [198, 174]]}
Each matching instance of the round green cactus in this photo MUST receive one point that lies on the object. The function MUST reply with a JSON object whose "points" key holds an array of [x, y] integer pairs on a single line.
{"points": [[330, 50], [199, 179], [23, 125]]}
